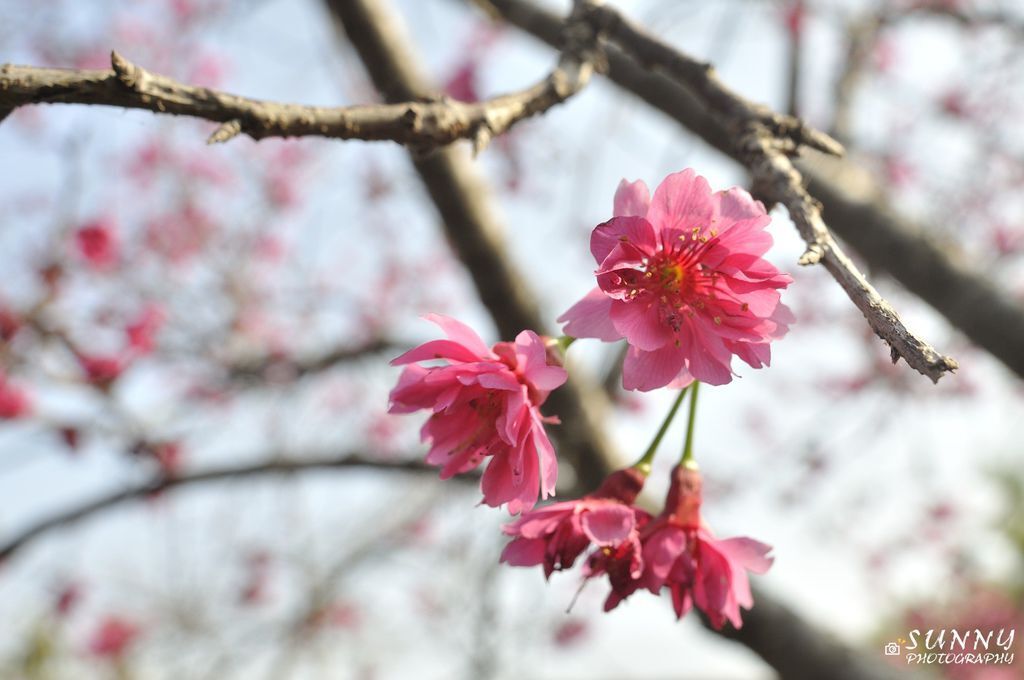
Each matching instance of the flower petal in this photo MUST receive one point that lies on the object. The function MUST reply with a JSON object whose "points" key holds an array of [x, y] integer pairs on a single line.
{"points": [[524, 552], [590, 318], [608, 523], [532, 358], [436, 349], [542, 521], [646, 371], [661, 550], [461, 333], [681, 202], [632, 199], [750, 554], [639, 321], [630, 231], [707, 358], [713, 583], [499, 380], [546, 457]]}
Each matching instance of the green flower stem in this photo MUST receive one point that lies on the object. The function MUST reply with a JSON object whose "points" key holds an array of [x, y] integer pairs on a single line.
{"points": [[687, 459], [644, 464], [564, 341]]}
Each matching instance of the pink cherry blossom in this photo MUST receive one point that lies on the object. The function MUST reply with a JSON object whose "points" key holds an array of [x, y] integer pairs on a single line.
{"points": [[485, 402], [570, 633], [98, 244], [681, 277], [462, 84], [557, 534], [14, 401], [180, 235], [168, 456], [622, 563], [141, 331], [681, 554], [113, 637], [68, 598], [102, 370]]}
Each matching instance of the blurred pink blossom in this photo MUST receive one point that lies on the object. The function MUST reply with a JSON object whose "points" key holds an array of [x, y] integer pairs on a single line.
{"points": [[14, 401], [98, 244], [113, 637]]}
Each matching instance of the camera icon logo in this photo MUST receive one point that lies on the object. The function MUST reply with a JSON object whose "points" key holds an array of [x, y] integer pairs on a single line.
{"points": [[892, 649]]}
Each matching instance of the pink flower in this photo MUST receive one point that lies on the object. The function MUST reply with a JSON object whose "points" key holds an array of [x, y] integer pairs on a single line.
{"points": [[462, 84], [180, 235], [681, 277], [98, 244], [484, 402], [622, 563], [681, 553], [68, 597], [101, 370], [168, 456], [557, 534], [570, 633], [141, 332], [113, 637], [795, 17], [339, 614], [14, 401]]}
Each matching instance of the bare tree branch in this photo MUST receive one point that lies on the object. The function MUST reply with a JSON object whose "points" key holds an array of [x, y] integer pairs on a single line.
{"points": [[911, 254], [423, 125], [163, 483]]}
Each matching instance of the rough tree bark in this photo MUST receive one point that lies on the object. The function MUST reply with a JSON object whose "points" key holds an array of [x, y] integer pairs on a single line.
{"points": [[419, 124]]}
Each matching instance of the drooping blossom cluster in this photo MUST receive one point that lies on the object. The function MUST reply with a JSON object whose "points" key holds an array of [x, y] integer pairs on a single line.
{"points": [[674, 551], [681, 277], [554, 536]]}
